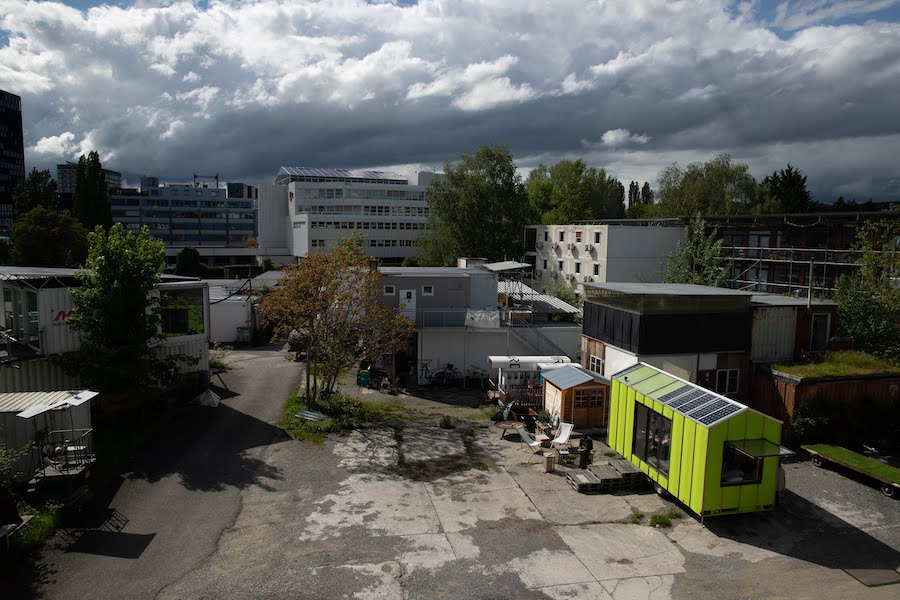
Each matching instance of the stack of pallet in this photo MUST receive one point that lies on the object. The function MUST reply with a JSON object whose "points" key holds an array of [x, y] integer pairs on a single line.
{"points": [[597, 478], [631, 475]]}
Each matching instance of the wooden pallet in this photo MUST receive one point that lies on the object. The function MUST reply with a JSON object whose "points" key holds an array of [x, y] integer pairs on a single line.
{"points": [[610, 479], [583, 481], [631, 475]]}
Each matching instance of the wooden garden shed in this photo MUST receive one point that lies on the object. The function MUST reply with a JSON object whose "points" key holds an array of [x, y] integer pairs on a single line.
{"points": [[714, 454], [576, 395]]}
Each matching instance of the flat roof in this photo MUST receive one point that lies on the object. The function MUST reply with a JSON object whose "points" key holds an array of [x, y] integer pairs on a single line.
{"points": [[780, 300], [667, 289], [431, 271], [16, 402], [343, 173], [506, 265]]}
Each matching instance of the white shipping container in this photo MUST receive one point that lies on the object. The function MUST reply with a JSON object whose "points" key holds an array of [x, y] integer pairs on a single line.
{"points": [[54, 306]]}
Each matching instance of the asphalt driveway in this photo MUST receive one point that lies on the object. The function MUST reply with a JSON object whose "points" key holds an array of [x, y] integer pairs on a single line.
{"points": [[228, 506]]}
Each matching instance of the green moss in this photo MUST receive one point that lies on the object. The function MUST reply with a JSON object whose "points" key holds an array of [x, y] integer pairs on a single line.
{"points": [[858, 461], [840, 364]]}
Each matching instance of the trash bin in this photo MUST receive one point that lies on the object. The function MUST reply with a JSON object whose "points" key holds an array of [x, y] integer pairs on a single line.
{"points": [[364, 378], [549, 462]]}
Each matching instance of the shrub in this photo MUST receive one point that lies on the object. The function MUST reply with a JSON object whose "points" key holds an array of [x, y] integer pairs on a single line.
{"points": [[447, 422]]}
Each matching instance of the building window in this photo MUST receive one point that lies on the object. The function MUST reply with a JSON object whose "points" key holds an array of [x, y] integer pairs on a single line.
{"points": [[182, 312], [560, 265], [546, 235], [652, 437], [597, 397], [727, 381], [577, 237], [545, 264], [596, 364], [739, 468], [596, 237], [562, 236], [596, 269], [428, 290], [389, 290], [578, 267]]}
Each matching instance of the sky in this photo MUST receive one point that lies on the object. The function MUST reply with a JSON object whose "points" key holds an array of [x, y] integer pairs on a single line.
{"points": [[239, 89]]}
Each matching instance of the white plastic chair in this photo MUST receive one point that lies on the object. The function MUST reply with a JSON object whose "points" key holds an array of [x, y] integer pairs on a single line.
{"points": [[530, 441]]}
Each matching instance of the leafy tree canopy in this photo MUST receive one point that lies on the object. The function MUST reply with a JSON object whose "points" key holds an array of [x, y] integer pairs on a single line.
{"points": [[869, 300], [716, 187], [38, 189], [118, 314], [698, 260], [784, 191], [49, 238], [332, 300], [90, 202], [570, 191], [187, 262], [477, 209]]}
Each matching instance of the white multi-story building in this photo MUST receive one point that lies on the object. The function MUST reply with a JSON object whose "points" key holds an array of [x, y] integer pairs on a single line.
{"points": [[310, 210], [598, 252]]}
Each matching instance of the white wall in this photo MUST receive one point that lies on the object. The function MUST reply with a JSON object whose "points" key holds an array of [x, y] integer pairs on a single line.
{"points": [[680, 365], [567, 338], [639, 253], [617, 360], [225, 318], [463, 348]]}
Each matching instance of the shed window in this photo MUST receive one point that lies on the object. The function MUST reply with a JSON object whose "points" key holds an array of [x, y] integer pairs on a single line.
{"points": [[597, 397], [739, 468], [581, 398], [652, 438]]}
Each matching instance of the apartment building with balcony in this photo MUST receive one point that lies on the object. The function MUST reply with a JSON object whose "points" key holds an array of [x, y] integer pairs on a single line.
{"points": [[600, 251], [309, 210]]}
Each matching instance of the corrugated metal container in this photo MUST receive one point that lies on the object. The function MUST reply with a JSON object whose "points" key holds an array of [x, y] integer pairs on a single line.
{"points": [[16, 432], [54, 305], [196, 348], [35, 375], [772, 339]]}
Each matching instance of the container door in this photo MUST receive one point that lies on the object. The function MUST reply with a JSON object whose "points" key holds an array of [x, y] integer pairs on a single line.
{"points": [[408, 303]]}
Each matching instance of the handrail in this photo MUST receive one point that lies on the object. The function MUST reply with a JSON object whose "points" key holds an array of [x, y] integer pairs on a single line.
{"points": [[534, 338]]}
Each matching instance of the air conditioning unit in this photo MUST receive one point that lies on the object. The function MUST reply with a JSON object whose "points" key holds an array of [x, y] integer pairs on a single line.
{"points": [[570, 277], [588, 247], [540, 244], [555, 246], [569, 246]]}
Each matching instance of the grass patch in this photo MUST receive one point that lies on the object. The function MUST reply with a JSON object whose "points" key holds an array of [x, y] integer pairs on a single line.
{"points": [[341, 414], [489, 412], [665, 519], [481, 466], [447, 422], [840, 364], [45, 519], [636, 516], [858, 461]]}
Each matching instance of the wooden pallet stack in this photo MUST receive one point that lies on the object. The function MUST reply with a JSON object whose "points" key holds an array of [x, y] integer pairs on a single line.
{"points": [[617, 474], [632, 477]]}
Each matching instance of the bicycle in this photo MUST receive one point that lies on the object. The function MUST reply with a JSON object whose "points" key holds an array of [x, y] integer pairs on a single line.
{"points": [[449, 375], [478, 377], [425, 372]]}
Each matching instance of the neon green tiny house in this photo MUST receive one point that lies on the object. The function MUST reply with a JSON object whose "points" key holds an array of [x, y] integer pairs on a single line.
{"points": [[715, 455]]}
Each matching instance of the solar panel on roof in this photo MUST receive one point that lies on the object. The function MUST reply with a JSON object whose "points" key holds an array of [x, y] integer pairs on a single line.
{"points": [[719, 414], [686, 408], [669, 396], [681, 401], [712, 407]]}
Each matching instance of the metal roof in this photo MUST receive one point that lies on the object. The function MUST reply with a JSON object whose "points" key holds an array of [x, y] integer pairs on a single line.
{"points": [[431, 271], [15, 402], [697, 403], [13, 273], [506, 265], [780, 300], [539, 303], [568, 376], [667, 289], [343, 173]]}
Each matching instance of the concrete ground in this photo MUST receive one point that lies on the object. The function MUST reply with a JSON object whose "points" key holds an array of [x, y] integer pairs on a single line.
{"points": [[411, 510]]}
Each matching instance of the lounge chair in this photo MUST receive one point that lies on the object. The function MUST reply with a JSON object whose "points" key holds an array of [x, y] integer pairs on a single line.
{"points": [[530, 441], [562, 436]]}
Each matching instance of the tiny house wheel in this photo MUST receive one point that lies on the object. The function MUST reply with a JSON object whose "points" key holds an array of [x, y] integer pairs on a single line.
{"points": [[889, 490], [818, 460]]}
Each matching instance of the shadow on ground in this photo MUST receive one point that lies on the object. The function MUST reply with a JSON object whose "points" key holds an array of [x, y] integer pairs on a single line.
{"points": [[802, 530]]}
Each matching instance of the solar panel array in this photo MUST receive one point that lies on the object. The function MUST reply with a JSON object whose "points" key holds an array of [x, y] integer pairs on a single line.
{"points": [[686, 399], [719, 414], [669, 396], [343, 173]]}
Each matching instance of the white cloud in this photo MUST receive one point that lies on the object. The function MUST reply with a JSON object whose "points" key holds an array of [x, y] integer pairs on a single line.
{"points": [[56, 145], [620, 137]]}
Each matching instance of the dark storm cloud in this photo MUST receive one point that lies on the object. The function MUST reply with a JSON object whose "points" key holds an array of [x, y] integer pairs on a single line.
{"points": [[240, 89]]}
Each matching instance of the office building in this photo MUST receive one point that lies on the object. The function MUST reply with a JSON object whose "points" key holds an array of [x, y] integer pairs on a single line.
{"points": [[12, 157]]}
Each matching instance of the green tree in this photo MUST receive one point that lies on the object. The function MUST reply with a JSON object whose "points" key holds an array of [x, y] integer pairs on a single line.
{"points": [[606, 195], [784, 192], [49, 238], [477, 209], [38, 189], [560, 288], [90, 202], [117, 311], [539, 188], [332, 299], [634, 194], [869, 299], [570, 191], [646, 194], [187, 262], [716, 187], [699, 259]]}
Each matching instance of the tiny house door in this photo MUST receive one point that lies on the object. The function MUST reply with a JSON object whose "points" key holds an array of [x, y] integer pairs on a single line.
{"points": [[408, 303]]}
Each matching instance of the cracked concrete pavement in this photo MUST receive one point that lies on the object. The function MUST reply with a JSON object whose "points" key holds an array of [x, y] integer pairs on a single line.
{"points": [[344, 520]]}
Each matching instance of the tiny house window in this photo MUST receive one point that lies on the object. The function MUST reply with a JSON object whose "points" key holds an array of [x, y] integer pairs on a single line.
{"points": [[428, 290], [739, 468], [652, 438]]}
